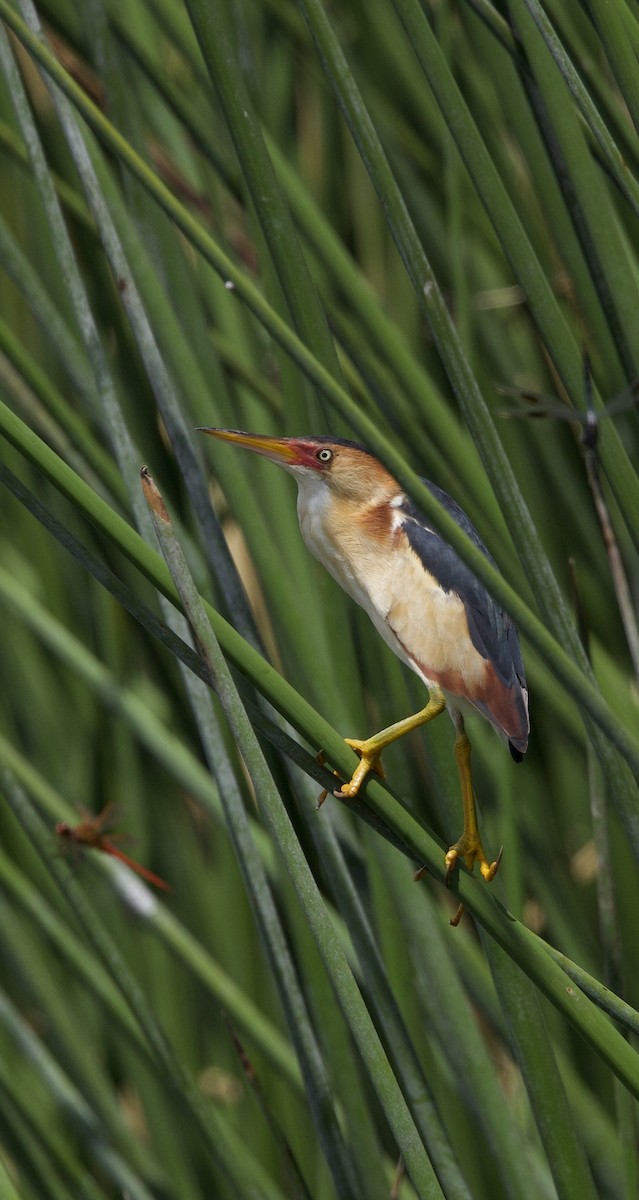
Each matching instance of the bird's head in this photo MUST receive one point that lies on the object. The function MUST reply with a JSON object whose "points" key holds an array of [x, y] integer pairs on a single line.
{"points": [[348, 470]]}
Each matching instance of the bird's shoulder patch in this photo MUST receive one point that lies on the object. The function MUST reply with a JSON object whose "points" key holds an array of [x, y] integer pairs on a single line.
{"points": [[375, 522], [381, 522]]}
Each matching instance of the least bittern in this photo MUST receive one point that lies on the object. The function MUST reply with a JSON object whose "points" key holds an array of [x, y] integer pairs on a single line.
{"points": [[421, 597]]}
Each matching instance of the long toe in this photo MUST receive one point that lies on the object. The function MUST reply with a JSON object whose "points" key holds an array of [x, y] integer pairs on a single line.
{"points": [[351, 787]]}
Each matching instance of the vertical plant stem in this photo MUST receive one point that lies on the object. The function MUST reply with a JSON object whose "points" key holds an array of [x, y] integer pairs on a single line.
{"points": [[205, 1119], [215, 37]]}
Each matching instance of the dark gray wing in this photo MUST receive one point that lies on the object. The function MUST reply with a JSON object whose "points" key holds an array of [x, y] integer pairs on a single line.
{"points": [[491, 630]]}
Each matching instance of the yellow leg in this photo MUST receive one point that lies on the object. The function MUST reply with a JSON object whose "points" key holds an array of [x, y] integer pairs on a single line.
{"points": [[469, 846], [371, 749]]}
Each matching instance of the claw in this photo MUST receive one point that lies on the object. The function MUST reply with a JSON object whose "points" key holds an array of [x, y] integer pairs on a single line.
{"points": [[456, 918], [489, 875], [320, 759]]}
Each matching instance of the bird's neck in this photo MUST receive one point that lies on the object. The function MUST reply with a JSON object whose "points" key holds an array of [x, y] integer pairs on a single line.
{"points": [[342, 531]]}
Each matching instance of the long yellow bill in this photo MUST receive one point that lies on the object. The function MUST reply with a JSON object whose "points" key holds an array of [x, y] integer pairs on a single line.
{"points": [[279, 450]]}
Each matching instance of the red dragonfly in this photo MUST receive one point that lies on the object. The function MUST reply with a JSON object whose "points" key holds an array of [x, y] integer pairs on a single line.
{"points": [[92, 834]]}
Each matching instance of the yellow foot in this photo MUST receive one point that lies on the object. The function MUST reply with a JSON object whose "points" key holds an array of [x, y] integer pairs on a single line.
{"points": [[368, 761], [472, 851], [470, 856]]}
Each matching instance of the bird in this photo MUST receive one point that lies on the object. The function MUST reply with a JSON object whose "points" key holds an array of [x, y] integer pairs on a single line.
{"points": [[428, 606]]}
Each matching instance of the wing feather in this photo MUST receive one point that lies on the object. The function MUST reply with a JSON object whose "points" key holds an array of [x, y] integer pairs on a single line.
{"points": [[491, 630]]}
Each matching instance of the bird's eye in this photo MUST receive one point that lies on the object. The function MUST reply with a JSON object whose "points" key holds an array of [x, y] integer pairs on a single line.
{"points": [[325, 455]]}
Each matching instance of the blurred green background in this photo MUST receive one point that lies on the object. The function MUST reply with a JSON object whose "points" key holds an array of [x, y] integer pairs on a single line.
{"points": [[366, 220]]}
